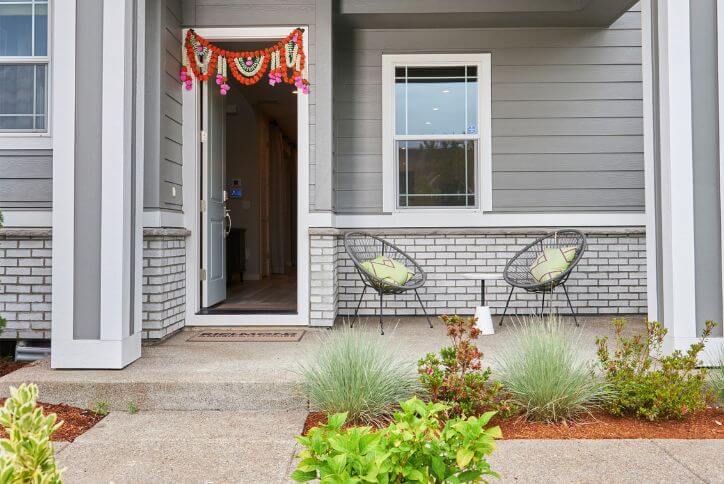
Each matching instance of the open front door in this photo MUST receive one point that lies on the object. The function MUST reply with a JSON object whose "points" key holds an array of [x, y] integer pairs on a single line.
{"points": [[213, 285]]}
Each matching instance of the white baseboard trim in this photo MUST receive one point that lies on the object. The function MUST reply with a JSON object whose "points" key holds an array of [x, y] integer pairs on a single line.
{"points": [[162, 218], [27, 218], [457, 218]]}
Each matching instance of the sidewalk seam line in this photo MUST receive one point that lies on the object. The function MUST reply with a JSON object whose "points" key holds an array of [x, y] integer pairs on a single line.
{"points": [[684, 465]]}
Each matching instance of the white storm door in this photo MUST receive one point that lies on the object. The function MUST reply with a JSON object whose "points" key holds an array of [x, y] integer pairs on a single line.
{"points": [[213, 284]]}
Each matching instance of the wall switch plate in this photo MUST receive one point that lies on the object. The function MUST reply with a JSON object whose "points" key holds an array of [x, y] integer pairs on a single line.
{"points": [[173, 191]]}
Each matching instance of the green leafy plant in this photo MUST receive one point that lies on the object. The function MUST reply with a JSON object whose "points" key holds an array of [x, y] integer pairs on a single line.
{"points": [[648, 384], [545, 373], [456, 376], [102, 408], [27, 453], [132, 408], [419, 446], [357, 372]]}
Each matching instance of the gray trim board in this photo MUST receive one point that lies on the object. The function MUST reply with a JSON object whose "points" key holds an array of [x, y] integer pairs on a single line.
{"points": [[87, 233], [705, 134]]}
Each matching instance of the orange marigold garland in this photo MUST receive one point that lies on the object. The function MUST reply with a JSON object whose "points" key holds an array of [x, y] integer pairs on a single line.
{"points": [[285, 61]]}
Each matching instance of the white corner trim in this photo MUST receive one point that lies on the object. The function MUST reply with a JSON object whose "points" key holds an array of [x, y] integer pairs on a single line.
{"points": [[484, 168], [27, 218], [677, 181], [157, 218], [63, 214], [115, 158], [650, 183]]}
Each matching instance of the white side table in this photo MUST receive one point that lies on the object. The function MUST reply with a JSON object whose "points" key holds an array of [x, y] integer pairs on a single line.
{"points": [[482, 312]]}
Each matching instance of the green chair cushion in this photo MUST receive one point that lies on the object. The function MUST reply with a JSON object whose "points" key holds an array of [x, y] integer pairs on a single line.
{"points": [[552, 263], [388, 270]]}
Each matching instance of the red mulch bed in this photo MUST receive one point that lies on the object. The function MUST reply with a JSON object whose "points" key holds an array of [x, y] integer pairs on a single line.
{"points": [[9, 366], [708, 424], [76, 421]]}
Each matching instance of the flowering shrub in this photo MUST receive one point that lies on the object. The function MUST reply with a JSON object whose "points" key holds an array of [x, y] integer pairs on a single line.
{"points": [[647, 384], [456, 376], [417, 447]]}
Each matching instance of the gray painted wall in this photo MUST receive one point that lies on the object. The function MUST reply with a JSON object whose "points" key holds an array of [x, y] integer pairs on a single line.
{"points": [[26, 178], [317, 15], [567, 114], [707, 208]]}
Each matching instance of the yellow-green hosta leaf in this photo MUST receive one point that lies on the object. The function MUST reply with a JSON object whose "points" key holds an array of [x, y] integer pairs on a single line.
{"points": [[463, 457], [494, 432]]}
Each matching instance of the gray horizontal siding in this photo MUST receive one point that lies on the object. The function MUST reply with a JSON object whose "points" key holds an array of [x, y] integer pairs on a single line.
{"points": [[163, 114], [170, 172], [26, 178], [566, 106]]}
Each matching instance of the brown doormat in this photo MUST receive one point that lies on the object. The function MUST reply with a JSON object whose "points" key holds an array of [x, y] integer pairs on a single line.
{"points": [[250, 335]]}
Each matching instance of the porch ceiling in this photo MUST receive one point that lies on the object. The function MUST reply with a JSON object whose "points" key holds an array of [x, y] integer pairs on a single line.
{"points": [[480, 13]]}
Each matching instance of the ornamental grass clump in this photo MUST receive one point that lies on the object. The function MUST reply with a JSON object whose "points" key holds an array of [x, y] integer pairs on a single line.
{"points": [[546, 374], [649, 384], [357, 372], [27, 454], [717, 378]]}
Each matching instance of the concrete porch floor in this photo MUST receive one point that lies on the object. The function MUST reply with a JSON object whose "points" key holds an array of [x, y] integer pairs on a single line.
{"points": [[180, 375]]}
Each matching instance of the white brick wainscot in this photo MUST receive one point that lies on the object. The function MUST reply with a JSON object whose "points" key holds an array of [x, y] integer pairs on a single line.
{"points": [[610, 279]]}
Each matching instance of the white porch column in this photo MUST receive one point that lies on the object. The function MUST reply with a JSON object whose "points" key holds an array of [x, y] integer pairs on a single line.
{"points": [[680, 165], [97, 183]]}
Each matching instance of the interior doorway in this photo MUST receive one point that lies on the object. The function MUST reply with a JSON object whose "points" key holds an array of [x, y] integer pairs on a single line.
{"points": [[249, 196]]}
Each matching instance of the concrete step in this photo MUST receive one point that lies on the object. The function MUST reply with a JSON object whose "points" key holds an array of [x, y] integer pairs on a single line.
{"points": [[120, 393], [182, 375]]}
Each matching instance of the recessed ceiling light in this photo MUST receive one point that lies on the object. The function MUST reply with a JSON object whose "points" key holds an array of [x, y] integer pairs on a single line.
{"points": [[446, 91], [436, 109], [428, 122]]}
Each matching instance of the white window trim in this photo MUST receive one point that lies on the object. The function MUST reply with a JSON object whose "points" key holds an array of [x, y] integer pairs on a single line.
{"points": [[484, 185], [26, 140]]}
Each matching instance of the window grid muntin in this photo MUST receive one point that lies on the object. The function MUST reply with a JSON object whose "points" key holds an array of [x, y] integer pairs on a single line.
{"points": [[474, 194], [476, 139], [35, 61]]}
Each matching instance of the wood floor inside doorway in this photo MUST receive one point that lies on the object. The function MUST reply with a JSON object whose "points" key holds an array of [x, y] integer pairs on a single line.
{"points": [[275, 293]]}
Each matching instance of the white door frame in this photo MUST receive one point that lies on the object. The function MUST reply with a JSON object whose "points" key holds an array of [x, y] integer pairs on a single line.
{"points": [[192, 195]]}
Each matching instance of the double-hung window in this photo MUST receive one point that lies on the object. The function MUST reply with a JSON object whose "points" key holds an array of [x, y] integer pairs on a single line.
{"points": [[436, 131], [24, 67]]}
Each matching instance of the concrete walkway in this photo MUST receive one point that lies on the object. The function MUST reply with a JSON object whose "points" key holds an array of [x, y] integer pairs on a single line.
{"points": [[249, 447], [181, 447]]}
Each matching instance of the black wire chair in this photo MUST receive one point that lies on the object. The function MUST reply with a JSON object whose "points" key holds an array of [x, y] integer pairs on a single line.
{"points": [[517, 271], [362, 247]]}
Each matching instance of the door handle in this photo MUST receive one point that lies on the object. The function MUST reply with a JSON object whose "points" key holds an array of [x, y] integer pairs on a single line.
{"points": [[227, 218]]}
